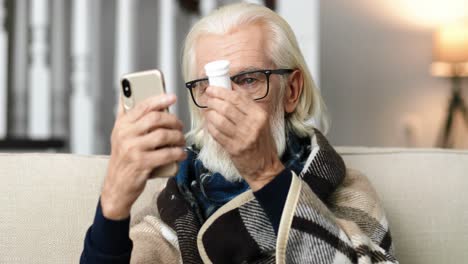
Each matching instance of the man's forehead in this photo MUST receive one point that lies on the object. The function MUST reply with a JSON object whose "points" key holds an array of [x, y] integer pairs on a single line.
{"points": [[244, 48]]}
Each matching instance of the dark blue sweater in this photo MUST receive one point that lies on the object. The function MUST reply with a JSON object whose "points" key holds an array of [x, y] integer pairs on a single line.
{"points": [[108, 241]]}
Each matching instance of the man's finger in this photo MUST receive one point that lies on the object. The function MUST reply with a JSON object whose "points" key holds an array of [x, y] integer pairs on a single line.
{"points": [[221, 123], [240, 100], [155, 103], [161, 138], [120, 107], [156, 119], [163, 156], [219, 136], [226, 109]]}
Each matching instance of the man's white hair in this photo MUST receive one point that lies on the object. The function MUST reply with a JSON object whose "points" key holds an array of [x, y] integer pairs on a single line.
{"points": [[283, 50]]}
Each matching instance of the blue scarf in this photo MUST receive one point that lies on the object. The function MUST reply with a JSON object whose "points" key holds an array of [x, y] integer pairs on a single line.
{"points": [[206, 191]]}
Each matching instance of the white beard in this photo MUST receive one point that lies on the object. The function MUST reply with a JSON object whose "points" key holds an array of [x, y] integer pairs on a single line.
{"points": [[216, 159]]}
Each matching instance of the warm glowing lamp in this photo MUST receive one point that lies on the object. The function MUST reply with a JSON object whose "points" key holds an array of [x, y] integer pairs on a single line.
{"points": [[450, 51], [450, 59]]}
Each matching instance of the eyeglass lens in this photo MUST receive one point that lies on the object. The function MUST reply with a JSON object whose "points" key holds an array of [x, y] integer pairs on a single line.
{"points": [[254, 83]]}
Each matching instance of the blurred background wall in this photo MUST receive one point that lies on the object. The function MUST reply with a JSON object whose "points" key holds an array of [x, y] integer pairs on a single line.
{"points": [[371, 60], [375, 59]]}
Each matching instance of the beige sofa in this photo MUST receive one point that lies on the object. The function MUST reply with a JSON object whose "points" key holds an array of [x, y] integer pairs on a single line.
{"points": [[47, 202]]}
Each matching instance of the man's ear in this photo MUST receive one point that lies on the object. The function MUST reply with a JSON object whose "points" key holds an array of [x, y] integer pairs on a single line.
{"points": [[293, 90]]}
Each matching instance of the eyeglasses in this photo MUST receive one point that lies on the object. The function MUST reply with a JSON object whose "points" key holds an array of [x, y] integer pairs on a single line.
{"points": [[256, 83]]}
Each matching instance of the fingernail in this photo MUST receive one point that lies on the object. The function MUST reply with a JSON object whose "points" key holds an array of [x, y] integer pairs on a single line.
{"points": [[170, 97], [167, 98]]}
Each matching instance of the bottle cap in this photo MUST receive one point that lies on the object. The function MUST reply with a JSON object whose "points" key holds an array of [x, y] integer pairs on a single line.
{"points": [[218, 73], [217, 68]]}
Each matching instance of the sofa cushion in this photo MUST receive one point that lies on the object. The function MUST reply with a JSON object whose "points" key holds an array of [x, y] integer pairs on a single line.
{"points": [[47, 202], [424, 194]]}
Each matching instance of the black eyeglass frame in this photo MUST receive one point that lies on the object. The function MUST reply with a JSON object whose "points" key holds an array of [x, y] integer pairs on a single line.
{"points": [[190, 84]]}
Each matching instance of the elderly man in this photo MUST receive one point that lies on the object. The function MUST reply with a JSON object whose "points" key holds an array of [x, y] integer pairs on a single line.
{"points": [[258, 183]]}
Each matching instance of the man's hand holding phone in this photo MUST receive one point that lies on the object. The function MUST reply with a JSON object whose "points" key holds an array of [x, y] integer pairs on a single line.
{"points": [[144, 138]]}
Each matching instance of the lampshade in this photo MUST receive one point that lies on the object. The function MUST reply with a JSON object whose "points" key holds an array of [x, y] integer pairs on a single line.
{"points": [[450, 50]]}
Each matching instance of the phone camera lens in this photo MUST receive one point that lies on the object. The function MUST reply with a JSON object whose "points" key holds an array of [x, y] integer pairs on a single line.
{"points": [[127, 91]]}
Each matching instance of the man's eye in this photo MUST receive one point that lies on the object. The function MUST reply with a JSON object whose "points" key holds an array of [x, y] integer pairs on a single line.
{"points": [[247, 81], [200, 86], [201, 89]]}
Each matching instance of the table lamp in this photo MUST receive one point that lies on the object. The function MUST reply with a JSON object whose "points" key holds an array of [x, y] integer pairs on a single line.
{"points": [[450, 60]]}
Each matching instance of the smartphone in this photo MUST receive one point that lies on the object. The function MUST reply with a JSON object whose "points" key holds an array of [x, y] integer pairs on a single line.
{"points": [[136, 87]]}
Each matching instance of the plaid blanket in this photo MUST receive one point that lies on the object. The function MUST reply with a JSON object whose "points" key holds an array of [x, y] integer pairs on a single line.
{"points": [[331, 215]]}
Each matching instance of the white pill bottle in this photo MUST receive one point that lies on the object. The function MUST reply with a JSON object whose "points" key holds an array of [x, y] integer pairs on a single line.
{"points": [[218, 73]]}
